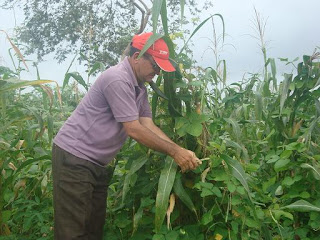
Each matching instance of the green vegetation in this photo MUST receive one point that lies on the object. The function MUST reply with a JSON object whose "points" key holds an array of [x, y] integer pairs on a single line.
{"points": [[258, 141]]}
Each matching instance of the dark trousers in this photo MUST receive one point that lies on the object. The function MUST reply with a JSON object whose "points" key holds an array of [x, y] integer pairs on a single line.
{"points": [[79, 196]]}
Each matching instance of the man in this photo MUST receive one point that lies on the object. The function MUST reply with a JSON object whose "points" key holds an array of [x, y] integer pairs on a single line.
{"points": [[115, 107]]}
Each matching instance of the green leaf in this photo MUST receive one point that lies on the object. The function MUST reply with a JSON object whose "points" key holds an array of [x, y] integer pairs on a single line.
{"points": [[281, 165], [180, 122], [182, 194], [208, 189], [182, 3], [122, 220], [220, 176], [224, 78], [273, 71], [44, 183], [158, 237], [154, 104], [279, 213], [237, 171], [279, 191], [172, 235], [136, 218], [50, 127], [207, 218], [96, 66], [136, 165], [154, 37], [216, 191], [22, 83], [285, 87], [164, 19], [166, 181], [158, 91], [6, 215], [200, 118], [304, 195], [194, 129], [235, 127], [76, 76], [258, 106], [286, 154], [156, 9], [288, 181], [231, 187], [302, 206], [195, 83], [252, 223], [313, 168], [206, 192], [200, 25], [236, 200]]}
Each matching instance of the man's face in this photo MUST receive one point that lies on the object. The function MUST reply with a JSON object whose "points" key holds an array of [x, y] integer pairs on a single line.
{"points": [[146, 69]]}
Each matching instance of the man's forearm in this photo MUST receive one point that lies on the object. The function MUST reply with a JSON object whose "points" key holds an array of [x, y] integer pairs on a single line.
{"points": [[148, 123], [151, 136], [161, 134], [157, 141]]}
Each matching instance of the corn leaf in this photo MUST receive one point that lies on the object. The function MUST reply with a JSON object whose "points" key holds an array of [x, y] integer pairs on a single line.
{"points": [[154, 37], [22, 83], [182, 194], [76, 76], [136, 165], [224, 72], [166, 181], [182, 3], [136, 218], [200, 25], [302, 206], [314, 169], [157, 90], [95, 67], [156, 9], [164, 17], [310, 130], [16, 49], [154, 101], [285, 88], [235, 127], [258, 106], [50, 127], [237, 171]]}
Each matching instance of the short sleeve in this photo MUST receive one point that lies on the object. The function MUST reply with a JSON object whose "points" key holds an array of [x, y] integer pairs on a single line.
{"points": [[145, 110], [121, 99]]}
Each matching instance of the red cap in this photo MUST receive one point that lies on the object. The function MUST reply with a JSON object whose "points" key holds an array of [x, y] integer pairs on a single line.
{"points": [[158, 50]]}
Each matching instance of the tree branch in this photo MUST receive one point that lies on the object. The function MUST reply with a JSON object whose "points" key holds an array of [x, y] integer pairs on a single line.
{"points": [[143, 24]]}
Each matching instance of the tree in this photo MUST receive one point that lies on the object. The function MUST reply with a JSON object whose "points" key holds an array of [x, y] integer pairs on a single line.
{"points": [[100, 30]]}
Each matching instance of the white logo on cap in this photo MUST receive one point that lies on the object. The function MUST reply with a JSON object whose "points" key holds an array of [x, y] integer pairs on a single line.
{"points": [[163, 52]]}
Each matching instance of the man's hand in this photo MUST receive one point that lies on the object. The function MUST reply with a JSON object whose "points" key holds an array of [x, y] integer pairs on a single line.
{"points": [[186, 159], [146, 133]]}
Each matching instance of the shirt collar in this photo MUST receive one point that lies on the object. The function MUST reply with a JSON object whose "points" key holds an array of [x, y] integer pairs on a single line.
{"points": [[130, 71]]}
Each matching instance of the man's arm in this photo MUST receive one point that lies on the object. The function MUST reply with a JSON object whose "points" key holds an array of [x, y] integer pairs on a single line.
{"points": [[148, 123], [184, 158]]}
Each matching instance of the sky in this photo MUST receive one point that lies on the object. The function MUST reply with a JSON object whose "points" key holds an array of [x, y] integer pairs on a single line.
{"points": [[292, 30]]}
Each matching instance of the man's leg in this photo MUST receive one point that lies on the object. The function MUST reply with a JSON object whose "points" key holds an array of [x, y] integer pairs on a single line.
{"points": [[99, 200], [74, 183]]}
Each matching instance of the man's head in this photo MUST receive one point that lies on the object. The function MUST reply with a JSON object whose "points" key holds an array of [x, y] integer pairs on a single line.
{"points": [[152, 61]]}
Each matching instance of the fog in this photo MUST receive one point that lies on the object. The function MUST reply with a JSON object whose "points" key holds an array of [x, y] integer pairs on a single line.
{"points": [[291, 30]]}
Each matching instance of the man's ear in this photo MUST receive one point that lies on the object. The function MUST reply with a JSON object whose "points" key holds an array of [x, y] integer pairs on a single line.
{"points": [[136, 55]]}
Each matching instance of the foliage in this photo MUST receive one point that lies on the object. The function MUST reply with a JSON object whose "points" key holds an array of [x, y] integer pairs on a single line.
{"points": [[100, 30], [29, 120], [260, 173]]}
